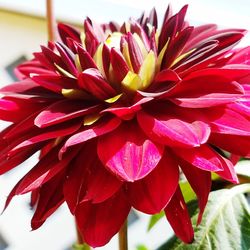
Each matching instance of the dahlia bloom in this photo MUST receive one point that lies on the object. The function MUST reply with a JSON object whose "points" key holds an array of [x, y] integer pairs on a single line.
{"points": [[117, 112]]}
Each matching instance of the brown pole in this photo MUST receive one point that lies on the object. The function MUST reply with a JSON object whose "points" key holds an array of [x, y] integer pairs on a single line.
{"points": [[123, 237], [51, 23]]}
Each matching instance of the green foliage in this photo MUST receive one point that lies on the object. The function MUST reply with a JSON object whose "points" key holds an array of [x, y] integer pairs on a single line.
{"points": [[80, 247], [225, 223], [141, 247], [154, 219]]}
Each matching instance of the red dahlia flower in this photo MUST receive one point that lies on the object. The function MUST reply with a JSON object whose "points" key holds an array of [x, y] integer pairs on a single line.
{"points": [[118, 111]]}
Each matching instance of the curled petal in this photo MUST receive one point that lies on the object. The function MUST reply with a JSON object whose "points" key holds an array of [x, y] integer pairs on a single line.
{"points": [[202, 157], [172, 131], [128, 153]]}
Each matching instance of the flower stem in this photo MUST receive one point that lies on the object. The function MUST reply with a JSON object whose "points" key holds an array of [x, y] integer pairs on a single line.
{"points": [[50, 20], [80, 240], [123, 237]]}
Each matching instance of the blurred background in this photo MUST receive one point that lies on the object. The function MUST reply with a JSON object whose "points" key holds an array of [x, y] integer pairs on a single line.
{"points": [[22, 31]]}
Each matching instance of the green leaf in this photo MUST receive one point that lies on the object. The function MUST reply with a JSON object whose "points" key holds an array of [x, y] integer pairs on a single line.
{"points": [[188, 195], [225, 223], [154, 219], [187, 191], [81, 247], [141, 247]]}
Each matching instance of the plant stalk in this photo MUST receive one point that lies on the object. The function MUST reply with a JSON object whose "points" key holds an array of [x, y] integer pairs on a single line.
{"points": [[123, 237], [51, 21]]}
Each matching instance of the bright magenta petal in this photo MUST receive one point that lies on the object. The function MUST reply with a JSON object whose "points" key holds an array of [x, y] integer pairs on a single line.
{"points": [[98, 223], [169, 130], [178, 217], [151, 194], [228, 121], [128, 153], [202, 157]]}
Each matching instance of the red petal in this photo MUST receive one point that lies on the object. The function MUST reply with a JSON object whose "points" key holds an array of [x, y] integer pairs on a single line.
{"points": [[22, 110], [228, 172], [44, 170], [200, 182], [50, 133], [151, 194], [176, 47], [66, 31], [178, 217], [92, 81], [167, 75], [62, 111], [89, 181], [8, 105], [67, 57], [101, 184], [231, 143], [98, 223], [85, 59], [8, 163], [172, 131], [125, 112], [50, 198], [75, 184], [24, 86], [202, 157], [101, 128], [134, 53], [55, 83], [128, 153], [203, 92], [119, 64], [232, 72]]}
